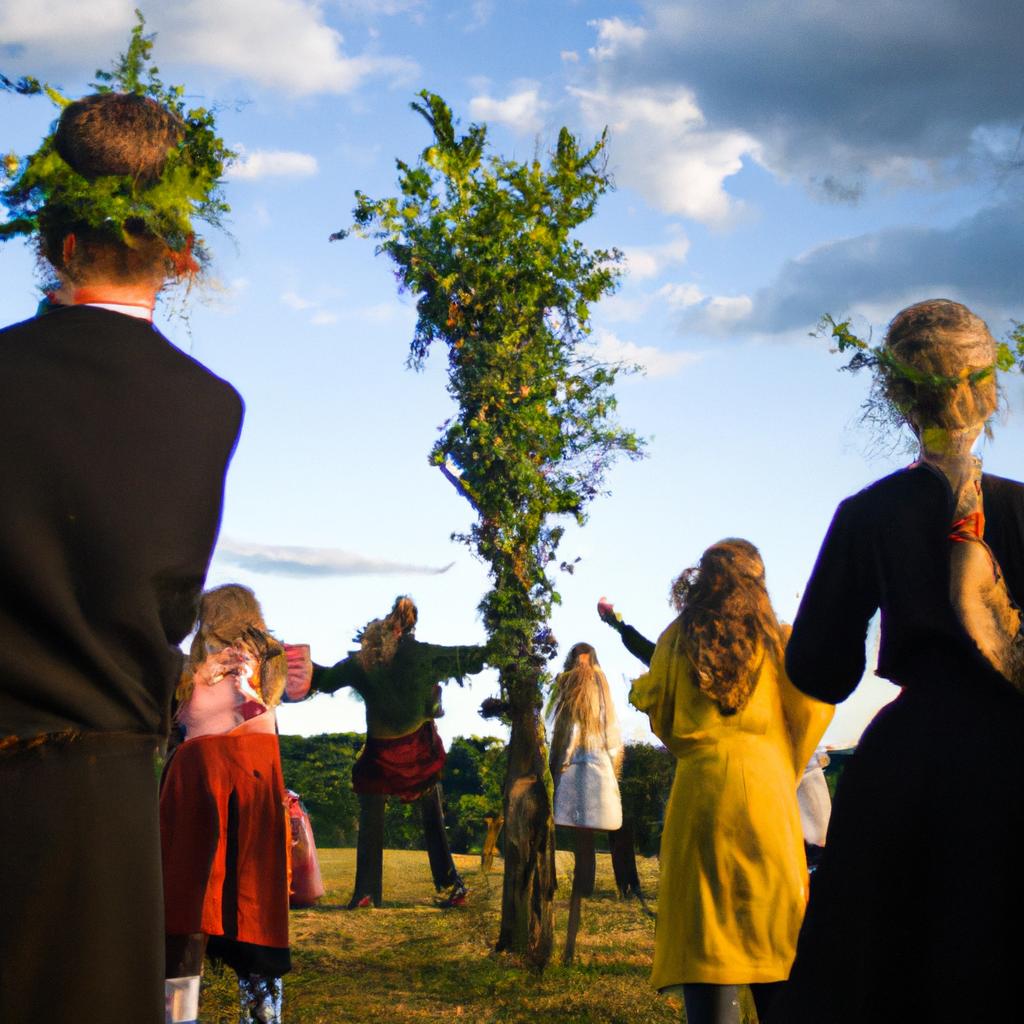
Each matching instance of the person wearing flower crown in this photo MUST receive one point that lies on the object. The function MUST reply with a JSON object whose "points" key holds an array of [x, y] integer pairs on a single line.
{"points": [[916, 905], [113, 450]]}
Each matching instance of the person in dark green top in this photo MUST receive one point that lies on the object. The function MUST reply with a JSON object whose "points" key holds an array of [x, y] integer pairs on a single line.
{"points": [[399, 679]]}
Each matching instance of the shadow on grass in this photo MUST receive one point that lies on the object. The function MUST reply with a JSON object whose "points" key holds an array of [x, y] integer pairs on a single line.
{"points": [[412, 962]]}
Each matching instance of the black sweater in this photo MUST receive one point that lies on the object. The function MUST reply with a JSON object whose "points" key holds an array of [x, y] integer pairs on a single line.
{"points": [[888, 549], [113, 449]]}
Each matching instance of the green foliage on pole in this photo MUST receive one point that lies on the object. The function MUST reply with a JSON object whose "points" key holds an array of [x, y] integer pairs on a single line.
{"points": [[488, 247]]}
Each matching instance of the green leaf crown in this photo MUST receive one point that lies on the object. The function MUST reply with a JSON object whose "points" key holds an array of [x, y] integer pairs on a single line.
{"points": [[189, 188], [883, 363]]}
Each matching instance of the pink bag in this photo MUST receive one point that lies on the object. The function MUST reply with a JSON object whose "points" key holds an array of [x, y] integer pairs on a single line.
{"points": [[307, 885]]}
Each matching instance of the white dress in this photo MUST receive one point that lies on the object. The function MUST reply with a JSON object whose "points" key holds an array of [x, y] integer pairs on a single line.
{"points": [[586, 790]]}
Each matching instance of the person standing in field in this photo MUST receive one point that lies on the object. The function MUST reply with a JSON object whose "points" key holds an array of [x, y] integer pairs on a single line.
{"points": [[113, 450], [399, 679], [733, 875], [223, 814], [586, 755], [916, 906], [812, 792]]}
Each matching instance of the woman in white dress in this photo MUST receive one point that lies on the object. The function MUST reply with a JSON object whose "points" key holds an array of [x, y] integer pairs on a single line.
{"points": [[586, 753]]}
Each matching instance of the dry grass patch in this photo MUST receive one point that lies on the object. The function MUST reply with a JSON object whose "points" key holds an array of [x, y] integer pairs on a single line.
{"points": [[412, 962]]}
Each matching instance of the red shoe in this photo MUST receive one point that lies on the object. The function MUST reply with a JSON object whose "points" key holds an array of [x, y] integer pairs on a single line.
{"points": [[360, 904], [456, 898]]}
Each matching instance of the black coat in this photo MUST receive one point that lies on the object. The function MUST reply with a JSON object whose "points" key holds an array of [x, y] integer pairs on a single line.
{"points": [[113, 448], [915, 909]]}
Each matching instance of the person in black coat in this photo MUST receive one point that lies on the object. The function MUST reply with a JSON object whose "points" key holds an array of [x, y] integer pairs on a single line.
{"points": [[113, 450], [915, 910]]}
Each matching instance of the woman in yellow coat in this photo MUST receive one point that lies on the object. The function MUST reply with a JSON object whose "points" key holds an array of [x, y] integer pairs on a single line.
{"points": [[733, 872]]}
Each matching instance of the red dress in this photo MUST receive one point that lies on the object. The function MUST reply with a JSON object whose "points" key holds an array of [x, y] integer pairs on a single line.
{"points": [[225, 837]]}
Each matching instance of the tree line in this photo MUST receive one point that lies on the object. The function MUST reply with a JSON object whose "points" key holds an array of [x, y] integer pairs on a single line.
{"points": [[319, 769]]}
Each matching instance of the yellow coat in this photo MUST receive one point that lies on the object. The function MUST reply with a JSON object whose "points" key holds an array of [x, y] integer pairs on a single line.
{"points": [[733, 879]]}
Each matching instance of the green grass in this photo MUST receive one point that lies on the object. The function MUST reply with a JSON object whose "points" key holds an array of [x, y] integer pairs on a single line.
{"points": [[411, 962]]}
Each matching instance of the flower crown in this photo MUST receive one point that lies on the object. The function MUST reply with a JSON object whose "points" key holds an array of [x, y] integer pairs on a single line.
{"points": [[190, 186], [882, 362]]}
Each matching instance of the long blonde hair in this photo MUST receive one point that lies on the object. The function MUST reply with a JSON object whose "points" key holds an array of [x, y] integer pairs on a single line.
{"points": [[581, 697], [726, 616], [231, 616]]}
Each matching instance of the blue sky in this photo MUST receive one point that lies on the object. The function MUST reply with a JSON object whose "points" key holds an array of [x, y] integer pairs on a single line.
{"points": [[773, 161]]}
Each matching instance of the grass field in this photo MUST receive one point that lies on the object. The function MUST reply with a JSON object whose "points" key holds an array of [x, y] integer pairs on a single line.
{"points": [[411, 962]]}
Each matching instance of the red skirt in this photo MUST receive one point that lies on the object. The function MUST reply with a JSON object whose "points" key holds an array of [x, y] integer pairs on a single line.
{"points": [[225, 839], [405, 767]]}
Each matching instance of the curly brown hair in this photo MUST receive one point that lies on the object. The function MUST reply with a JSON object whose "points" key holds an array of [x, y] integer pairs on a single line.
{"points": [[726, 617]]}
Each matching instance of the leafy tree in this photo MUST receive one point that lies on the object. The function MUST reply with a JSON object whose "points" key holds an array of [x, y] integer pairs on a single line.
{"points": [[319, 769], [647, 773], [472, 789], [487, 246]]}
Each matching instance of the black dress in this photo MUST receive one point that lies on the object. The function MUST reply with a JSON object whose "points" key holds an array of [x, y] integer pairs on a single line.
{"points": [[917, 907], [113, 448]]}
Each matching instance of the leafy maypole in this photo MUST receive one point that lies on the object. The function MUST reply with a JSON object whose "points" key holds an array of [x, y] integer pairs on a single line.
{"points": [[487, 246]]}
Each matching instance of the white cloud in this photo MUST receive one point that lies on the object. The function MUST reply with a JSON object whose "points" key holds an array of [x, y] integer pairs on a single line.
{"points": [[480, 13], [295, 301], [654, 361], [680, 296], [728, 309], [646, 261], [615, 36], [660, 147], [381, 8], [838, 93], [318, 315], [523, 111], [570, 56], [292, 560], [44, 24], [272, 163], [281, 44]]}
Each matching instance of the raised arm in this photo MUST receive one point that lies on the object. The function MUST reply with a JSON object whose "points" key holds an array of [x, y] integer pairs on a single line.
{"points": [[452, 662], [329, 680], [634, 641]]}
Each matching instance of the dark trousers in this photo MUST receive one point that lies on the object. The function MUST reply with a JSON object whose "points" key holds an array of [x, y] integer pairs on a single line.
{"points": [[719, 1004], [370, 846], [81, 896]]}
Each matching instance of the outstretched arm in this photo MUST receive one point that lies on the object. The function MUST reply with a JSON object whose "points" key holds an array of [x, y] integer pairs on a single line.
{"points": [[453, 662], [329, 680], [634, 641]]}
